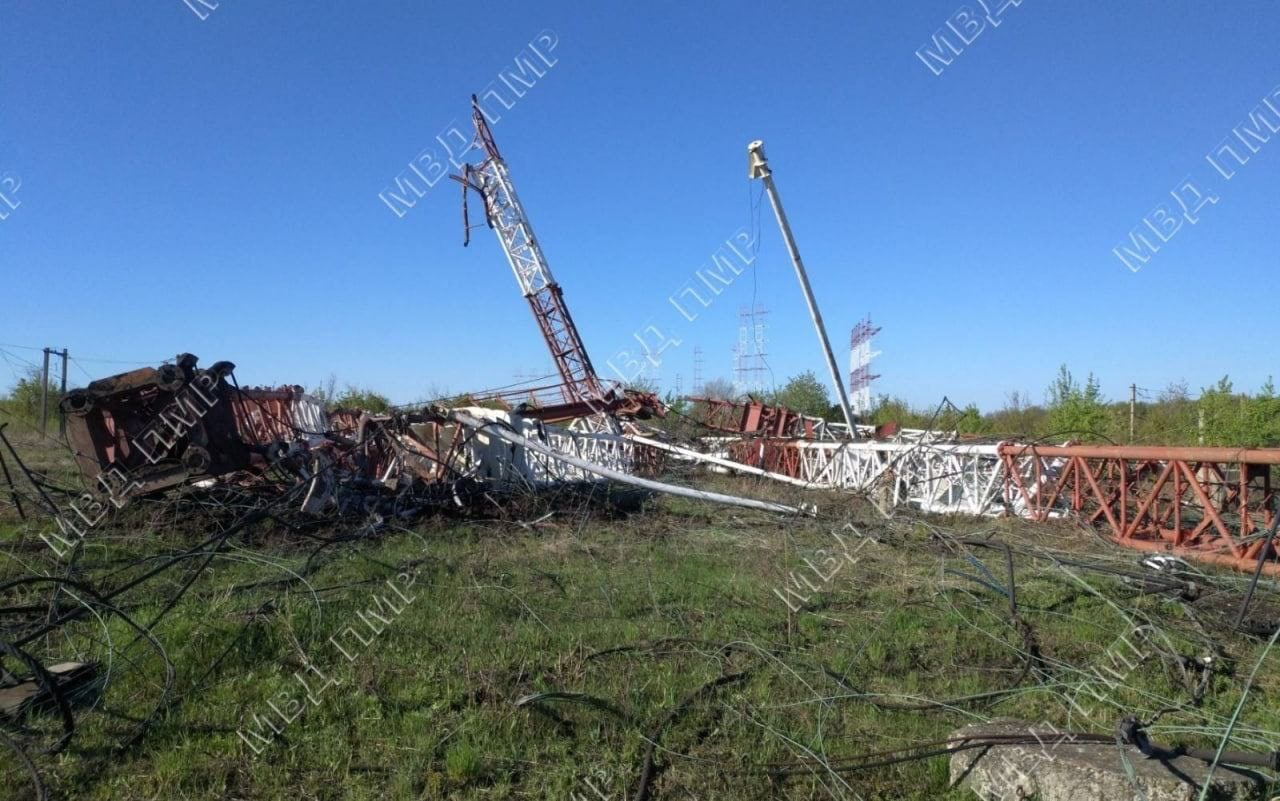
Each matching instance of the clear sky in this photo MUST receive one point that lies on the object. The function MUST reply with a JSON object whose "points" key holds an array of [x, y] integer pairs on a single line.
{"points": [[213, 185]]}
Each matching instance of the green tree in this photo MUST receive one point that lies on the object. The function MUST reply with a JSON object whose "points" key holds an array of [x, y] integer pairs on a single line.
{"points": [[23, 400], [968, 420], [1265, 416], [675, 404], [641, 384], [1018, 417], [1170, 420], [356, 398], [1077, 411], [719, 389], [892, 410], [804, 393], [1236, 419], [1223, 414]]}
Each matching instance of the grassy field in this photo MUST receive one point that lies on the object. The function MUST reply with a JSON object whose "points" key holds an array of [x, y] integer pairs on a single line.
{"points": [[591, 654]]}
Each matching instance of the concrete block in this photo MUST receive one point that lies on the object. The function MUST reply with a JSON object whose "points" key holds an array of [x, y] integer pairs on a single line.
{"points": [[1056, 769]]}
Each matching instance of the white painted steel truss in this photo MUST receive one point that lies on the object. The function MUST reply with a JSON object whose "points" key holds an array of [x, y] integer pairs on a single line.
{"points": [[491, 458], [934, 476], [941, 477]]}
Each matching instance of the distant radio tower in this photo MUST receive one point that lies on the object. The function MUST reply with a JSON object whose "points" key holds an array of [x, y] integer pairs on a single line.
{"points": [[697, 370], [749, 354], [860, 356], [679, 384]]}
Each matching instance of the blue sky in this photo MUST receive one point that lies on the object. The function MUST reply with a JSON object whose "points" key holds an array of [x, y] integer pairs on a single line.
{"points": [[213, 186]]}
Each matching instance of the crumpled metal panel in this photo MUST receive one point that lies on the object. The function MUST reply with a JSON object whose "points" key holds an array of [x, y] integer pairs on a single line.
{"points": [[754, 417], [147, 430]]}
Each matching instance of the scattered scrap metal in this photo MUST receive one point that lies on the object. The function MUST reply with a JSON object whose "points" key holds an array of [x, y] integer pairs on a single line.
{"points": [[151, 430], [1210, 504], [181, 437]]}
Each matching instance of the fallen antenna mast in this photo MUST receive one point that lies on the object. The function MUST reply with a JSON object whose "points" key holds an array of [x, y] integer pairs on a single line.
{"points": [[506, 216]]}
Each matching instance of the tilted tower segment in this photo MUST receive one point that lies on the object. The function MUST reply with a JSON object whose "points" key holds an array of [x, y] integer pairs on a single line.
{"points": [[506, 216]]}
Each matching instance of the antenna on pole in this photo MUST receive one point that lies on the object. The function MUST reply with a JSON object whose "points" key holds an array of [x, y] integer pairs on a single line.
{"points": [[758, 168]]}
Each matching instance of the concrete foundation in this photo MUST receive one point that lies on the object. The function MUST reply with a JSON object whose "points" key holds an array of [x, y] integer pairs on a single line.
{"points": [[1056, 769]]}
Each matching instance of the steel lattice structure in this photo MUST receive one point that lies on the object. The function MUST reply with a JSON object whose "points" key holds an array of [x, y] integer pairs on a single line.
{"points": [[860, 356], [506, 216], [749, 363], [1212, 504]]}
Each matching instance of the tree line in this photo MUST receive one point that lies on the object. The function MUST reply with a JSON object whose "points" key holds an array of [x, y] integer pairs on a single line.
{"points": [[1071, 410]]}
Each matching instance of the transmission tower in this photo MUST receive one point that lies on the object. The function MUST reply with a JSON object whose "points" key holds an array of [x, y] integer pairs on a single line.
{"points": [[697, 370], [749, 354], [860, 356]]}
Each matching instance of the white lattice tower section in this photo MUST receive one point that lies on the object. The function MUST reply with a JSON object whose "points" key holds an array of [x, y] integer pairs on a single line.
{"points": [[749, 353]]}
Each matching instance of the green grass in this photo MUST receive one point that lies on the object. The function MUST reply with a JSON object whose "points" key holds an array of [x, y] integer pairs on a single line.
{"points": [[617, 621]]}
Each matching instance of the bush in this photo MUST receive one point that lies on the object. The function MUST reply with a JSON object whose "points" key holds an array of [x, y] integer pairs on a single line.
{"points": [[804, 393]]}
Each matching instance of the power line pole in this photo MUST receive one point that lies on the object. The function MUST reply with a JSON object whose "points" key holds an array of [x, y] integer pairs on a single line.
{"points": [[62, 418], [44, 393], [1133, 403]]}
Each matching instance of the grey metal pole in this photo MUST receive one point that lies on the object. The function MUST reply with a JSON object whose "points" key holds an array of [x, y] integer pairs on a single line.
{"points": [[44, 394], [758, 167], [62, 418]]}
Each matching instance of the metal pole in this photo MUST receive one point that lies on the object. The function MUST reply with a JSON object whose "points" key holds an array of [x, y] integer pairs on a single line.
{"points": [[62, 418], [1257, 571], [44, 393], [1133, 402], [716, 460], [758, 167]]}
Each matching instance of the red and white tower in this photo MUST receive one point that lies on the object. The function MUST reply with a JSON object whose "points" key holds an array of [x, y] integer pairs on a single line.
{"points": [[860, 356]]}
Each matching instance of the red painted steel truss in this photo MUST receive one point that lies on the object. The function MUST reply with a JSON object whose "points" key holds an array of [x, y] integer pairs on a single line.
{"points": [[754, 417], [1214, 504], [543, 403]]}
